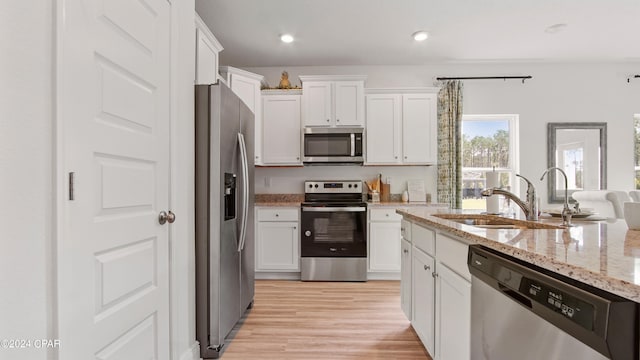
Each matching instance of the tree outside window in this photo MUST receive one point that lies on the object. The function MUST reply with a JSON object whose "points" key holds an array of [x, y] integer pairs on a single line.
{"points": [[489, 142]]}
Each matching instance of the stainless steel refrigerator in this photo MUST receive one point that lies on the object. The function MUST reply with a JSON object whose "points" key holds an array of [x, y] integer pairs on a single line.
{"points": [[224, 215]]}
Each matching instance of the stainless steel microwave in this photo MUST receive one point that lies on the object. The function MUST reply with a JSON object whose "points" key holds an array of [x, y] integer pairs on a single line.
{"points": [[327, 146]]}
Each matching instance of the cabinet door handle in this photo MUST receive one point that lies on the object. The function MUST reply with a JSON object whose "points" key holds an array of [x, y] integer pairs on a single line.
{"points": [[434, 274], [277, 215], [387, 215], [295, 227], [406, 251], [427, 267], [327, 120], [337, 120], [396, 157], [405, 157]]}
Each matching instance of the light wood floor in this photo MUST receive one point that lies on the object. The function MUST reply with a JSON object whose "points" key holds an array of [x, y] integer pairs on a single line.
{"points": [[326, 320]]}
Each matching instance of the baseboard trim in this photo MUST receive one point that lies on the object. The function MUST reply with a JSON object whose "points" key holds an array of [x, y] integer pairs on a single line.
{"points": [[383, 276], [192, 353], [391, 275], [277, 275]]}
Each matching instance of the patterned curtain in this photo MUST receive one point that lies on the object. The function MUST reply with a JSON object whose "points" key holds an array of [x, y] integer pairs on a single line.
{"points": [[449, 144]]}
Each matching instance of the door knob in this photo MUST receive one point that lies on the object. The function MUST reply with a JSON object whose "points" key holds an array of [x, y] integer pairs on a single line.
{"points": [[165, 217], [307, 233]]}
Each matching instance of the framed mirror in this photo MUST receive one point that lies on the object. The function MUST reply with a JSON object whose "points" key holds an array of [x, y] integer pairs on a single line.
{"points": [[580, 149]]}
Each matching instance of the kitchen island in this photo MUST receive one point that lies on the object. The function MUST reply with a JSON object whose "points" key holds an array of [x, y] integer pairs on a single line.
{"points": [[436, 284], [603, 254]]}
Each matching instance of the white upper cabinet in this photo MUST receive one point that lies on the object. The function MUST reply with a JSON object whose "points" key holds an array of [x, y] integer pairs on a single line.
{"points": [[281, 127], [207, 50], [419, 131], [384, 129], [247, 86], [317, 103], [401, 126], [332, 101]]}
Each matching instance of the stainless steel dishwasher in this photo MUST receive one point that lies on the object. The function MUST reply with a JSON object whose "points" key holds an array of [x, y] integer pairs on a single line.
{"points": [[521, 311]]}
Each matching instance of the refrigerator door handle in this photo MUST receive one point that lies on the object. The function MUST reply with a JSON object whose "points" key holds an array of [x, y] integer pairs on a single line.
{"points": [[245, 191]]}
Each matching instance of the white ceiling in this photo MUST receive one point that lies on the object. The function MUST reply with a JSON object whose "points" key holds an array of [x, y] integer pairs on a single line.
{"points": [[378, 32]]}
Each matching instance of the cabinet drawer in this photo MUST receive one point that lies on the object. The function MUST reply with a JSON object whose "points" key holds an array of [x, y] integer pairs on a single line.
{"points": [[405, 230], [453, 253], [386, 214], [424, 239], [278, 214]]}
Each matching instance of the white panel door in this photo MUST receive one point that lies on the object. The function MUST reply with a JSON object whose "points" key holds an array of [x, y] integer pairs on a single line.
{"points": [[383, 128], [114, 106], [423, 291], [384, 246], [419, 128], [281, 130]]}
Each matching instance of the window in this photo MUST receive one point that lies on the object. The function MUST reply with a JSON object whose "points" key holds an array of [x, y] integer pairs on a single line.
{"points": [[636, 153], [488, 142]]}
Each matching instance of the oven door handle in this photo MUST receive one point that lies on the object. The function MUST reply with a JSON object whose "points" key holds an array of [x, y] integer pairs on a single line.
{"points": [[335, 209]]}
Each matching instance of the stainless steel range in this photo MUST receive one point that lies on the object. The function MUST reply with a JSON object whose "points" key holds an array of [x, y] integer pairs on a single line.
{"points": [[334, 232]]}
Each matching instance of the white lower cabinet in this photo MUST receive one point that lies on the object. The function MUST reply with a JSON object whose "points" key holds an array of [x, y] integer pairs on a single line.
{"points": [[384, 246], [423, 288], [405, 278], [384, 243], [440, 290], [453, 315], [277, 240]]}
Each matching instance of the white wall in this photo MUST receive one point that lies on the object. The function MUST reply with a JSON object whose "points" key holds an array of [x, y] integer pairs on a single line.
{"points": [[558, 92], [26, 108]]}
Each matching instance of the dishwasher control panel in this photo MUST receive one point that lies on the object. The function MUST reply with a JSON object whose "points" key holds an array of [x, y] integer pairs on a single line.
{"points": [[526, 290], [562, 303]]}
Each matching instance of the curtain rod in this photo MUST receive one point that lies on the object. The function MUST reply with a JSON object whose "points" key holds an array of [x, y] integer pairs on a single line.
{"points": [[634, 76], [486, 78]]}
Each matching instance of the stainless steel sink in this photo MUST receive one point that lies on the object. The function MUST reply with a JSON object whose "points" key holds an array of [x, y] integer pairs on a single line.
{"points": [[495, 222]]}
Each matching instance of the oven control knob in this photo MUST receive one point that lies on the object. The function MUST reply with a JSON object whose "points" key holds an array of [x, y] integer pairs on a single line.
{"points": [[355, 185], [349, 186], [307, 233], [333, 249], [310, 186], [316, 186]]}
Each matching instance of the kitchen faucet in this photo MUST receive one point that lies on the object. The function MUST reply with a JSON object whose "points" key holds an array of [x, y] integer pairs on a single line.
{"points": [[530, 207], [566, 210]]}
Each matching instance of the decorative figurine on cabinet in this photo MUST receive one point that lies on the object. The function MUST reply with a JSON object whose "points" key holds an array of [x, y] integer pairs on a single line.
{"points": [[284, 81]]}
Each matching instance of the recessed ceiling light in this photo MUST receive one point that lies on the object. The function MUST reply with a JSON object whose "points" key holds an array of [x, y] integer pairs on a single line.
{"points": [[556, 28], [420, 35], [286, 38]]}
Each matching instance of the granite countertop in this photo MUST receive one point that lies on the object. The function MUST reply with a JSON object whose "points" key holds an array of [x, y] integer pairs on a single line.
{"points": [[278, 199], [604, 254], [404, 204]]}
